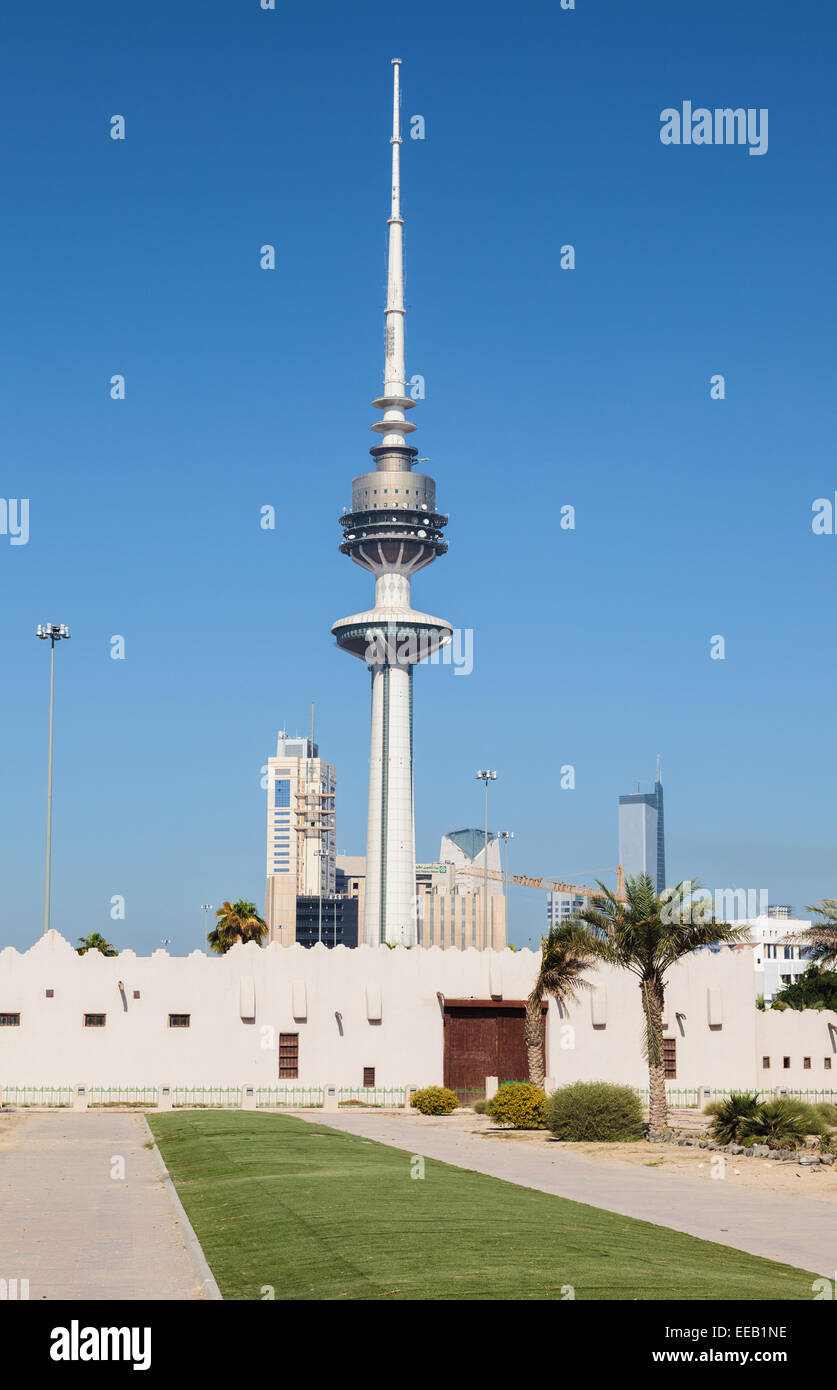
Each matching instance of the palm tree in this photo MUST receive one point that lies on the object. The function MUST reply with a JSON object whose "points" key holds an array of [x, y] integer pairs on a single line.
{"points": [[777, 1123], [565, 955], [733, 1115], [236, 922], [821, 937], [647, 935], [95, 942]]}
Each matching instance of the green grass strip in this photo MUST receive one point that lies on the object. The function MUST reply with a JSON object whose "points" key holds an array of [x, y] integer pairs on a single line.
{"points": [[313, 1213]]}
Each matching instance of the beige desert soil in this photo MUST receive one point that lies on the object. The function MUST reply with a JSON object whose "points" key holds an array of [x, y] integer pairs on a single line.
{"points": [[765, 1174]]}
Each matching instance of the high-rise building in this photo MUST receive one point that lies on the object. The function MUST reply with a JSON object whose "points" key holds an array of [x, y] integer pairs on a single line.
{"points": [[328, 921], [467, 850], [392, 530], [301, 807], [642, 847], [560, 907]]}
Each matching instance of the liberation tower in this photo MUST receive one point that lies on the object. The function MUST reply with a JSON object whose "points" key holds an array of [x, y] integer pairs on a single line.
{"points": [[392, 530]]}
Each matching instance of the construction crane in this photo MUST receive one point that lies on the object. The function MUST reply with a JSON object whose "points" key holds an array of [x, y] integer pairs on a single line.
{"points": [[549, 885]]}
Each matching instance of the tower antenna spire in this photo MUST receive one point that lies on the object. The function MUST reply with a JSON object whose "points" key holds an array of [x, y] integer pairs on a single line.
{"points": [[657, 774], [395, 401]]}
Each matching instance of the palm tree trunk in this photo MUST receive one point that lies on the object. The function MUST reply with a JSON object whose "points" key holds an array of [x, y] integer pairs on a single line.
{"points": [[533, 1032], [652, 1002]]}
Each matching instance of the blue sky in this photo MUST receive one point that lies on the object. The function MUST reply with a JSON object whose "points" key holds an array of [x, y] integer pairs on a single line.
{"points": [[545, 387]]}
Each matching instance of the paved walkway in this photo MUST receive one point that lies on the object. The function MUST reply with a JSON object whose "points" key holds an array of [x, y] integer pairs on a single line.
{"points": [[798, 1231], [72, 1229]]}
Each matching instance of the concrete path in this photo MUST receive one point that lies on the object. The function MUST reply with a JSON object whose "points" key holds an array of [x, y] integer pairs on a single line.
{"points": [[798, 1231], [74, 1230]]}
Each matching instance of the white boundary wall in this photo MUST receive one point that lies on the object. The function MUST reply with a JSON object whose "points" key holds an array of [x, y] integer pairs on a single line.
{"points": [[372, 1007]]}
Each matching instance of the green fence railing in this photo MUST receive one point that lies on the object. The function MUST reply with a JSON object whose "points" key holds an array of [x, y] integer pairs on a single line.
{"points": [[376, 1096], [51, 1096], [289, 1097], [206, 1097], [122, 1095], [681, 1097], [466, 1095]]}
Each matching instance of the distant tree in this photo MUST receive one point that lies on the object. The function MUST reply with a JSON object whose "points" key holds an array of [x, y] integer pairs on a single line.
{"points": [[95, 942], [236, 922], [821, 937], [815, 989]]}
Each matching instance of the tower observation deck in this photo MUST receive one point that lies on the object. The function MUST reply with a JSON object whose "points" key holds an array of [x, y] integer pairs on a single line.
{"points": [[392, 530]]}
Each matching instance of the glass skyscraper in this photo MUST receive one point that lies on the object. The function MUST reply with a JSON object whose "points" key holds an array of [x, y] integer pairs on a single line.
{"points": [[642, 846]]}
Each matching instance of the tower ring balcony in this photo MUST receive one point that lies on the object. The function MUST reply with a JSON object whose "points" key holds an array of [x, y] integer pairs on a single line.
{"points": [[392, 636], [400, 539]]}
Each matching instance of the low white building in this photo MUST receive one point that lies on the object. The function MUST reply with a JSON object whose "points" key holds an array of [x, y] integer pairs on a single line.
{"points": [[777, 962], [285, 1016]]}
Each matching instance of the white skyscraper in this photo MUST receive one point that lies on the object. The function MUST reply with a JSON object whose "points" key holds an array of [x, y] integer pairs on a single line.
{"points": [[301, 844], [642, 845], [393, 530]]}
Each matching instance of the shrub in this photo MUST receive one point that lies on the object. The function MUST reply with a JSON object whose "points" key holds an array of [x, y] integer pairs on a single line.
{"points": [[481, 1107], [596, 1111], [434, 1100], [731, 1116], [810, 1116], [519, 1104], [712, 1107], [778, 1124], [827, 1111]]}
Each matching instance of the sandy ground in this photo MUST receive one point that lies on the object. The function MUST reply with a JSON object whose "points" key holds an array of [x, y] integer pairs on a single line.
{"points": [[764, 1174]]}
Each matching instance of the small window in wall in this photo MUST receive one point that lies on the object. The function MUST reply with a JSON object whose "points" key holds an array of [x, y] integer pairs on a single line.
{"points": [[369, 1076], [9, 1020], [50, 993], [786, 1063], [94, 1020], [288, 1055], [670, 1058], [179, 1020], [826, 1061], [765, 1062], [806, 1063], [136, 994]]}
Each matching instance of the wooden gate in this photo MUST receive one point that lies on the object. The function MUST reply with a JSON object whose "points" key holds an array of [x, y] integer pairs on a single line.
{"points": [[484, 1037]]}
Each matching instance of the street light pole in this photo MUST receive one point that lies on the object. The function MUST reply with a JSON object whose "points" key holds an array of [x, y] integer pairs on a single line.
{"points": [[505, 836], [485, 777], [318, 854], [207, 908], [53, 631]]}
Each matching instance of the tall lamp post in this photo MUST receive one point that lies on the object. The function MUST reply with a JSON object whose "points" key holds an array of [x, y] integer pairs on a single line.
{"points": [[206, 909], [505, 836], [54, 632], [485, 777], [320, 854]]}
